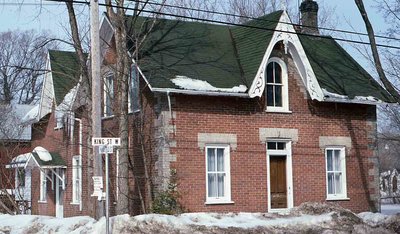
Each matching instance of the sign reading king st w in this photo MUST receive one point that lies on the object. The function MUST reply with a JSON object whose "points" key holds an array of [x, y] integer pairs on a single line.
{"points": [[115, 141]]}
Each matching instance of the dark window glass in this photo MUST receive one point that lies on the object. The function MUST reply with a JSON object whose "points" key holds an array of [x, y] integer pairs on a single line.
{"points": [[278, 95], [278, 74], [270, 74], [271, 145], [270, 95], [281, 145]]}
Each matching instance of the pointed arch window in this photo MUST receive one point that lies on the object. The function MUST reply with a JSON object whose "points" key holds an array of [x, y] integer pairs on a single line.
{"points": [[276, 91]]}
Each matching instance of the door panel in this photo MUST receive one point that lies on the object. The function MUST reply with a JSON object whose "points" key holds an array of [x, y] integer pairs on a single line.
{"points": [[278, 191]]}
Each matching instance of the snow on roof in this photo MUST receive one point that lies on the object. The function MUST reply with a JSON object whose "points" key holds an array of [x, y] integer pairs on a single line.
{"points": [[185, 82], [44, 155], [359, 99], [16, 125], [66, 105], [31, 115], [19, 161]]}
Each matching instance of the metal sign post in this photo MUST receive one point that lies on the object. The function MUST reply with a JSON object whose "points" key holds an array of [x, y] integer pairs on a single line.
{"points": [[107, 198], [106, 146]]}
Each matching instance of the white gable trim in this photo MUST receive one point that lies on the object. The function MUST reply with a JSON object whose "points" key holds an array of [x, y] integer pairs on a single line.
{"points": [[106, 31], [47, 93], [294, 47]]}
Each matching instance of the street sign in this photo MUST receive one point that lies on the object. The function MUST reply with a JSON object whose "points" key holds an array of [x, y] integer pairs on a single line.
{"points": [[115, 141], [97, 187], [106, 149]]}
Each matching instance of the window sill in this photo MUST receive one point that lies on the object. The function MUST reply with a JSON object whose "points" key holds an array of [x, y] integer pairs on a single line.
{"points": [[279, 111], [219, 202], [338, 199], [107, 117], [75, 203], [134, 112], [44, 202]]}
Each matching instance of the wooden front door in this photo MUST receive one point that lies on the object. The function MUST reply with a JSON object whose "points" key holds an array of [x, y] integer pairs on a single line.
{"points": [[278, 191]]}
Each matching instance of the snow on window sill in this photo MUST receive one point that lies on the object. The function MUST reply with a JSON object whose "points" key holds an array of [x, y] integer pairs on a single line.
{"points": [[44, 202], [216, 202], [134, 112], [107, 117], [279, 111], [338, 199], [75, 203]]}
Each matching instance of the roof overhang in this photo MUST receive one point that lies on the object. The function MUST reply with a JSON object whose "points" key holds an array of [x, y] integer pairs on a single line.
{"points": [[35, 161], [201, 93], [19, 161]]}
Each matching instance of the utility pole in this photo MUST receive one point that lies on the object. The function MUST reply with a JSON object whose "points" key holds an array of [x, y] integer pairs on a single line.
{"points": [[96, 94]]}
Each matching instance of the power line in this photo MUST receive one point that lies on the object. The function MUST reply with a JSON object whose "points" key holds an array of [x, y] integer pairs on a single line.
{"points": [[28, 4], [232, 24], [258, 19]]}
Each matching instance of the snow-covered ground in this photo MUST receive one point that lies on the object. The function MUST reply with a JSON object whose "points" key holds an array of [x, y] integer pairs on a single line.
{"points": [[390, 209], [308, 218]]}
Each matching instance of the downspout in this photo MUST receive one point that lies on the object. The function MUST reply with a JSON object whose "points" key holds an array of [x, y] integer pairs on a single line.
{"points": [[169, 105], [170, 112], [80, 155]]}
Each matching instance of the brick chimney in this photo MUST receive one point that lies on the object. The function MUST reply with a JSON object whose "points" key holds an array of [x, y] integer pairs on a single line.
{"points": [[309, 17]]}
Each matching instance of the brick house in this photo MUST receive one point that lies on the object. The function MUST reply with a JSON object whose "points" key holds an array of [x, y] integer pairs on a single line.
{"points": [[254, 118], [14, 180], [260, 117]]}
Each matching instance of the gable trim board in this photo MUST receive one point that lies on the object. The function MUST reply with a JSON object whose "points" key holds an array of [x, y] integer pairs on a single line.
{"points": [[286, 33]]}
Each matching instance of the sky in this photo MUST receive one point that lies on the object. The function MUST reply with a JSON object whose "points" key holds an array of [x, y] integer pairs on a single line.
{"points": [[50, 16]]}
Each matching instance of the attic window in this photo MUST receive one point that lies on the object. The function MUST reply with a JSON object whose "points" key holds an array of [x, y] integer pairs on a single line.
{"points": [[276, 86], [108, 94]]}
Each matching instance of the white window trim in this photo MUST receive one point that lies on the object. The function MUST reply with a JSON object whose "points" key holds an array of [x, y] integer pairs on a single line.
{"points": [[132, 81], [285, 90], [227, 198], [43, 187], [289, 174], [343, 195], [105, 92], [73, 177]]}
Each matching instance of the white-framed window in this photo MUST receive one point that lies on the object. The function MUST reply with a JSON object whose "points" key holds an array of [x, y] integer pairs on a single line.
{"points": [[134, 97], [76, 179], [276, 88], [20, 177], [335, 158], [108, 94], [43, 185], [218, 181]]}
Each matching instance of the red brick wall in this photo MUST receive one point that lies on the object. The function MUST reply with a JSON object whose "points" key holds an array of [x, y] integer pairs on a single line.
{"points": [[244, 117], [57, 140]]}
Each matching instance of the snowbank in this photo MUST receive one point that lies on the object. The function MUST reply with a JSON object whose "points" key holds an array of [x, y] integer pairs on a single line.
{"points": [[308, 218]]}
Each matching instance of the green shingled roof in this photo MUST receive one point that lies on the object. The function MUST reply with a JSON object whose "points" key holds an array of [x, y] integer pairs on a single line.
{"points": [[57, 160], [338, 72], [65, 72], [223, 56], [229, 56]]}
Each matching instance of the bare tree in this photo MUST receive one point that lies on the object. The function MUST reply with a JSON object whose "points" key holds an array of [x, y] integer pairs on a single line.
{"points": [[22, 62], [378, 65]]}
